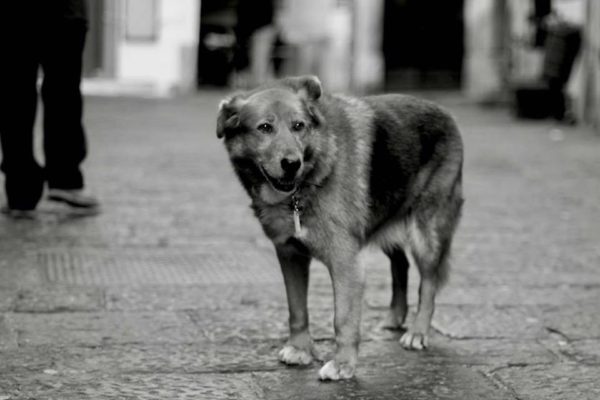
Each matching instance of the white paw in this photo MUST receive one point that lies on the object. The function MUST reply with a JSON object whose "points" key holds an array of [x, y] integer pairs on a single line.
{"points": [[291, 355], [333, 371], [414, 340]]}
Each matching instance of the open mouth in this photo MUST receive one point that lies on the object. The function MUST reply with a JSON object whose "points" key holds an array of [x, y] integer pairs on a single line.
{"points": [[280, 185]]}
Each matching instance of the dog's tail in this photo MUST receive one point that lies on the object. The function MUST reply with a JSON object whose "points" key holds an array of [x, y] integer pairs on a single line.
{"points": [[438, 202], [452, 218]]}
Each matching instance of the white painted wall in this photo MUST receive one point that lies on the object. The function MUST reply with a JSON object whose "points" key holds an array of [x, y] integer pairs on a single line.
{"points": [[169, 63], [482, 80], [369, 68], [337, 63]]}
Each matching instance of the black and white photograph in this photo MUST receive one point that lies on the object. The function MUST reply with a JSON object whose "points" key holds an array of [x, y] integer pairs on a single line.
{"points": [[300, 199]]}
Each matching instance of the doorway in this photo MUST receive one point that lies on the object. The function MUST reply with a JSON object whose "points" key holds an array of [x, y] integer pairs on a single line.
{"points": [[423, 44]]}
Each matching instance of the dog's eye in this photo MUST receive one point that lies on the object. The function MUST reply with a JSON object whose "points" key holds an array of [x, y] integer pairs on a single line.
{"points": [[265, 128], [298, 126]]}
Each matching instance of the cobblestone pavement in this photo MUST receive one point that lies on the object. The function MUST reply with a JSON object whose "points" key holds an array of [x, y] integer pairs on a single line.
{"points": [[174, 293]]}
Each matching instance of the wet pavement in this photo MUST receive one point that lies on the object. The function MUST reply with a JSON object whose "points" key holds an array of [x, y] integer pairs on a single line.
{"points": [[172, 292]]}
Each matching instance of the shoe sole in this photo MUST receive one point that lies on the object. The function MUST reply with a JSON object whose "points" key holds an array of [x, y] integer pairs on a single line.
{"points": [[19, 214], [72, 203]]}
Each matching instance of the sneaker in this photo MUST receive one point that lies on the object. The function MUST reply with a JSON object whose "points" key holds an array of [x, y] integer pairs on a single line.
{"points": [[74, 198], [18, 214]]}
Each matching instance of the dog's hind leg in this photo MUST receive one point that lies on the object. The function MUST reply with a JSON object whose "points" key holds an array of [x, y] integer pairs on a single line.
{"points": [[398, 307], [416, 338], [430, 249], [295, 268], [427, 253]]}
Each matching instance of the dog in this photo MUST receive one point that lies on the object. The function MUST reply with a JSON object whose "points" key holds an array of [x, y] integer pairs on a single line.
{"points": [[328, 175]]}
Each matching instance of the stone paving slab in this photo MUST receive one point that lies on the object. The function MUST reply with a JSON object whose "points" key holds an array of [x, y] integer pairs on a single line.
{"points": [[251, 355], [7, 299], [585, 351], [485, 353], [249, 323], [442, 350], [533, 299], [75, 386], [486, 322], [491, 268], [378, 295], [574, 321], [8, 336], [16, 265], [203, 266], [97, 328], [146, 358], [46, 299], [414, 381], [552, 382], [214, 297], [270, 321]]}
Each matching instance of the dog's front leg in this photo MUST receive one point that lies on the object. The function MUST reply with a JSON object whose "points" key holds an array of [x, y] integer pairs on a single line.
{"points": [[348, 278], [295, 268]]}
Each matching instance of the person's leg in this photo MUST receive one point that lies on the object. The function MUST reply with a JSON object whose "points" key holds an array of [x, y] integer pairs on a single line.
{"points": [[24, 178], [557, 100], [64, 137]]}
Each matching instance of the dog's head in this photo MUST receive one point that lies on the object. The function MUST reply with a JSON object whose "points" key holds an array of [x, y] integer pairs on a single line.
{"points": [[272, 134]]}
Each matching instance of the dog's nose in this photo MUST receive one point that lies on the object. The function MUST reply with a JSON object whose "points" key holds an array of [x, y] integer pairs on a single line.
{"points": [[290, 166]]}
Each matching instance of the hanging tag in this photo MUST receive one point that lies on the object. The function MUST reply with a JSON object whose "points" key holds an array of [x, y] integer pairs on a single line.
{"points": [[297, 226], [296, 214]]}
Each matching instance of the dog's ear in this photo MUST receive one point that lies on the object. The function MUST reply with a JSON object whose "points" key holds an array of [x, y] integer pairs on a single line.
{"points": [[228, 117], [308, 86], [315, 115]]}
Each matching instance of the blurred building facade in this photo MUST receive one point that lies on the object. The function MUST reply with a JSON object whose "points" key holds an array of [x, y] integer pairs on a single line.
{"points": [[146, 47], [160, 47], [503, 50], [339, 40]]}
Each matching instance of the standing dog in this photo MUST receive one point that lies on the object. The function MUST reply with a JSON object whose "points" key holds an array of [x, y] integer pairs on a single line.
{"points": [[328, 175]]}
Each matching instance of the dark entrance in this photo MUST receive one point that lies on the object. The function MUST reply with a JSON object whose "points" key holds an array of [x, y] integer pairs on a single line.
{"points": [[217, 42], [423, 44]]}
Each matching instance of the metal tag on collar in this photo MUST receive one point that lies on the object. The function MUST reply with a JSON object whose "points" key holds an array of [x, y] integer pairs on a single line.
{"points": [[296, 214]]}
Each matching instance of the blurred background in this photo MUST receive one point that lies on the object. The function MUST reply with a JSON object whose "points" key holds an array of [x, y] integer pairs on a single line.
{"points": [[173, 291], [507, 52]]}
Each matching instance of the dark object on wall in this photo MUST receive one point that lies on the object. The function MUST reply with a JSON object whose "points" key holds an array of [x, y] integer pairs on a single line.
{"points": [[541, 10], [217, 42], [215, 55], [537, 101], [423, 44], [562, 45], [546, 98], [251, 16]]}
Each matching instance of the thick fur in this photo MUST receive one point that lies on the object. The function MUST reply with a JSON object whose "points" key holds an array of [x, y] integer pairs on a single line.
{"points": [[383, 170]]}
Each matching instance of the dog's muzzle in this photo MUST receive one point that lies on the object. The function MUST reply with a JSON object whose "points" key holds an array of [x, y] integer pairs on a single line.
{"points": [[284, 185]]}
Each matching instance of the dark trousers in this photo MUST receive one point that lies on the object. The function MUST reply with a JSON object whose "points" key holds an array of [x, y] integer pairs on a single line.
{"points": [[56, 45]]}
